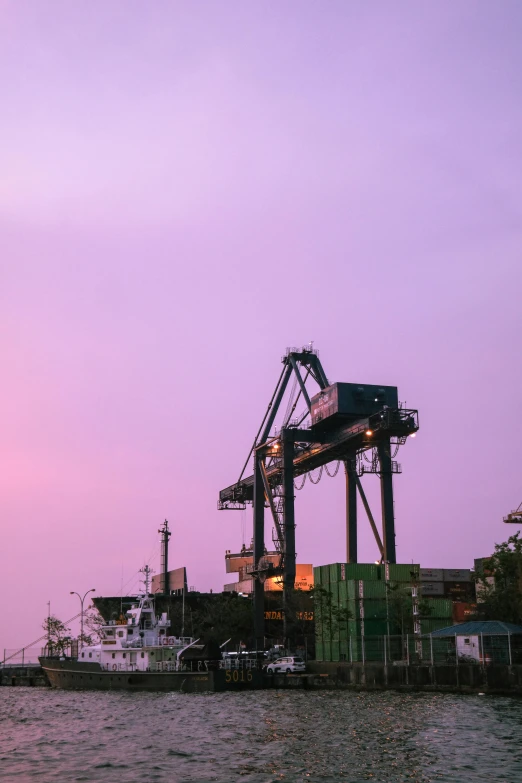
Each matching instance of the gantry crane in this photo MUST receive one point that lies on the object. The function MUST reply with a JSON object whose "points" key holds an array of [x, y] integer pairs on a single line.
{"points": [[346, 422], [514, 517]]}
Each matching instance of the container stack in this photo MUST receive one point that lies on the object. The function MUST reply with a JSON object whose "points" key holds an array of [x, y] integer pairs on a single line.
{"points": [[356, 602], [453, 584]]}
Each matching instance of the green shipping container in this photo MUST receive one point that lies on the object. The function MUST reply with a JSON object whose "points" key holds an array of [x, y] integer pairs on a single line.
{"points": [[349, 590], [319, 651], [360, 571], [397, 572], [325, 575], [371, 589], [335, 651], [333, 588], [317, 576], [327, 651], [375, 627], [341, 572], [357, 628], [440, 607], [374, 609]]}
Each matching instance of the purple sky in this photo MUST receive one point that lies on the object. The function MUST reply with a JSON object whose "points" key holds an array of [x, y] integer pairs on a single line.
{"points": [[189, 187]]}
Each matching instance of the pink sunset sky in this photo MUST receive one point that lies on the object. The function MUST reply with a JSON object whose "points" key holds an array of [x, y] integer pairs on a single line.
{"points": [[186, 189]]}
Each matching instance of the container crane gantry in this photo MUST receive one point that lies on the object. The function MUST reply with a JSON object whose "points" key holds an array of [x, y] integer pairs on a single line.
{"points": [[347, 420]]}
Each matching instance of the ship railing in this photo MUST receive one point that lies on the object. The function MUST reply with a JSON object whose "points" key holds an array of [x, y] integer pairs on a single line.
{"points": [[239, 663], [165, 666]]}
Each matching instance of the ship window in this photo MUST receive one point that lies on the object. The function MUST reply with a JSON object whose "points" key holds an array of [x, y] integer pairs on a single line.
{"points": [[124, 655], [90, 655], [143, 655], [120, 633], [114, 655], [110, 632], [130, 631]]}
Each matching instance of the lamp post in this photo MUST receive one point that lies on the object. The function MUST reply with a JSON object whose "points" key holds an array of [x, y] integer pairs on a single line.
{"points": [[73, 592]]}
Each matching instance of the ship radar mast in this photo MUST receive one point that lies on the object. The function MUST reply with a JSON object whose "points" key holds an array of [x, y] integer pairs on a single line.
{"points": [[147, 573]]}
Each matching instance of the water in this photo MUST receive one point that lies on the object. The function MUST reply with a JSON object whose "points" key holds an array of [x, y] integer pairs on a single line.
{"points": [[258, 737]]}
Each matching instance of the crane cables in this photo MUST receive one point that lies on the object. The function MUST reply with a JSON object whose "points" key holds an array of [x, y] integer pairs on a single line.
{"points": [[336, 471], [319, 475], [302, 483]]}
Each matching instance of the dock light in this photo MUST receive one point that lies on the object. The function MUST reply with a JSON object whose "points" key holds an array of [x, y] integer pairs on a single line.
{"points": [[413, 434], [369, 432]]}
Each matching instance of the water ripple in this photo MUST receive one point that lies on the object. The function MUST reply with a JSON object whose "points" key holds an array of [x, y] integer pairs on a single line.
{"points": [[258, 737]]}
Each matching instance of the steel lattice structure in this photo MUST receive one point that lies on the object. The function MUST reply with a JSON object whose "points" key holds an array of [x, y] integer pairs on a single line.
{"points": [[295, 451]]}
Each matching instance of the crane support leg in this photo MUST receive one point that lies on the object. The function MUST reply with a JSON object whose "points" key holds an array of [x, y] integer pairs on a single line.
{"points": [[288, 527], [351, 512], [369, 515], [388, 517], [259, 550]]}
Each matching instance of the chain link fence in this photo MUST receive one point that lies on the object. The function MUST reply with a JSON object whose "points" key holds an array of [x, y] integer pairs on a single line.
{"points": [[410, 649]]}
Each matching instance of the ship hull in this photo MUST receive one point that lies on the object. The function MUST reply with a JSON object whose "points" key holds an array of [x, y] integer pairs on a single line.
{"points": [[71, 675]]}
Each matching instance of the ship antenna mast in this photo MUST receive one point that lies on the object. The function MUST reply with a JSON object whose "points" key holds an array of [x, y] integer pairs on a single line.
{"points": [[147, 573]]}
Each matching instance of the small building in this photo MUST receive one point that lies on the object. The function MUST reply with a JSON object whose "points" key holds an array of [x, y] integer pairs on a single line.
{"points": [[484, 641]]}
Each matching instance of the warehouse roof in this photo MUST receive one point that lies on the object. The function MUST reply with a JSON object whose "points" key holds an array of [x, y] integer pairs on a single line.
{"points": [[476, 627]]}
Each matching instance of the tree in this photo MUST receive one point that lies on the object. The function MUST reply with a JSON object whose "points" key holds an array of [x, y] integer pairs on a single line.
{"points": [[330, 617], [400, 609], [58, 640], [499, 584], [93, 622]]}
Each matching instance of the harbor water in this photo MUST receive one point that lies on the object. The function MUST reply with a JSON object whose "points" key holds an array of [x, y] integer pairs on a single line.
{"points": [[258, 737]]}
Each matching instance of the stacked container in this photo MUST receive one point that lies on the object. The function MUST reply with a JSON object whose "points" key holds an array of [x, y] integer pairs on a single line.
{"points": [[354, 604], [455, 584]]}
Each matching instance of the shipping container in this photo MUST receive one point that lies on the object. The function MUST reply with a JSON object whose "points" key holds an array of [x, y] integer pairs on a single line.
{"points": [[349, 590], [317, 576], [319, 651], [369, 589], [457, 575], [327, 651], [439, 607], [338, 572], [431, 574], [369, 627], [398, 572], [373, 609], [325, 575], [333, 589], [460, 590], [463, 612], [335, 651], [375, 627], [431, 588]]}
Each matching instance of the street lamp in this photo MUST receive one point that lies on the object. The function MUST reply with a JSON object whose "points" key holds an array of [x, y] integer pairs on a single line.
{"points": [[73, 592]]}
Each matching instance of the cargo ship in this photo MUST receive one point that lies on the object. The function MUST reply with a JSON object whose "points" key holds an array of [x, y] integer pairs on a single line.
{"points": [[138, 653]]}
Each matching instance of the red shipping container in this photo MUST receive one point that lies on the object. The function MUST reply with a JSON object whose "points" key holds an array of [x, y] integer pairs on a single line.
{"points": [[462, 612]]}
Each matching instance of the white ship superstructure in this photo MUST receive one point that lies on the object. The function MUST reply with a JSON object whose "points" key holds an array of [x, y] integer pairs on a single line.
{"points": [[140, 641]]}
